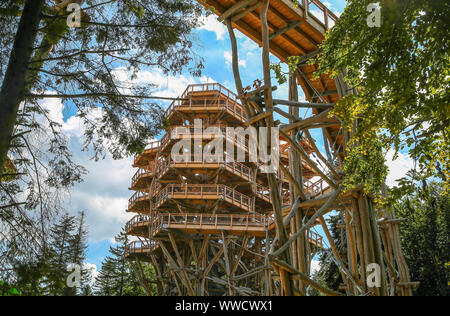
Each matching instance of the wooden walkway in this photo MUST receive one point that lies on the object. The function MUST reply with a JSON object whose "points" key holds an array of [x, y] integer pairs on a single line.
{"points": [[141, 250], [239, 225], [143, 178], [202, 192], [167, 169]]}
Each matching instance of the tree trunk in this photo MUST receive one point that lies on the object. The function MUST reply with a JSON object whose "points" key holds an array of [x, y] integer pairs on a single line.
{"points": [[14, 82]]}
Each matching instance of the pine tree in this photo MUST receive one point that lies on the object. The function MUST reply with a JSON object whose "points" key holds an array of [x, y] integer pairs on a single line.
{"points": [[60, 256], [116, 277], [78, 248], [426, 238], [329, 274]]}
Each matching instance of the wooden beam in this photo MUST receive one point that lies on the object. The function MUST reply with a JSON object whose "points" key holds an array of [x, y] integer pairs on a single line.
{"points": [[297, 45], [292, 181], [303, 104], [286, 115], [257, 92], [320, 118], [302, 33], [294, 210], [250, 9], [322, 125], [308, 160], [175, 270], [285, 266], [290, 26], [259, 117], [310, 223], [239, 256], [346, 275], [236, 7], [319, 154]]}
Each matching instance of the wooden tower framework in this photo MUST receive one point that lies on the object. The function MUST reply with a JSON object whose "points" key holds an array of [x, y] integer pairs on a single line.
{"points": [[224, 228]]}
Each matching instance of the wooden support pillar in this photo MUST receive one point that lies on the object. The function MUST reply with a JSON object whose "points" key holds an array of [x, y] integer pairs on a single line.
{"points": [[299, 249], [286, 282], [351, 247]]}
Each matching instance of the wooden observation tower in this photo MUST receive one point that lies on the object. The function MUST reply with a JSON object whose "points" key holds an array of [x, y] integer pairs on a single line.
{"points": [[216, 213], [223, 227]]}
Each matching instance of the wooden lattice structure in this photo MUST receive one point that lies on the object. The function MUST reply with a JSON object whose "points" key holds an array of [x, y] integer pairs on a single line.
{"points": [[223, 228]]}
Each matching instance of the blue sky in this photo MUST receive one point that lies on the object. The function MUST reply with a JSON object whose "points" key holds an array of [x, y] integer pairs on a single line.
{"points": [[104, 194]]}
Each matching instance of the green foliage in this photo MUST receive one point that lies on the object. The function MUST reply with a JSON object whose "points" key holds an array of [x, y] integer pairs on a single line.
{"points": [[8, 290], [402, 72], [133, 35], [425, 238], [366, 164], [279, 75]]}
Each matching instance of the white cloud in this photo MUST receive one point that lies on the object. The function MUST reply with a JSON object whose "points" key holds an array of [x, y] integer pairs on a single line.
{"points": [[166, 85], [327, 4], [93, 270], [229, 59], [398, 168], [104, 193], [211, 24], [315, 266], [318, 14]]}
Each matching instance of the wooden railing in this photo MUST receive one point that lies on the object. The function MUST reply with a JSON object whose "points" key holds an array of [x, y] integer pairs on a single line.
{"points": [[138, 220], [199, 191], [316, 188], [155, 145], [183, 132], [220, 221], [324, 16], [138, 247], [209, 221], [316, 239], [238, 168], [140, 173], [236, 222], [235, 167], [205, 87], [225, 99], [263, 193], [138, 196]]}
